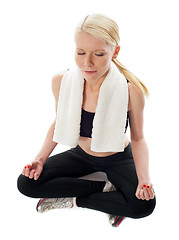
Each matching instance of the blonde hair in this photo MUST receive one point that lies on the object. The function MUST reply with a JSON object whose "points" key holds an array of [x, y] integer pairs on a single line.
{"points": [[107, 29]]}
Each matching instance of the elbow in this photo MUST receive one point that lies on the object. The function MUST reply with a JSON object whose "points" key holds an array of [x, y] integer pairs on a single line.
{"points": [[137, 137]]}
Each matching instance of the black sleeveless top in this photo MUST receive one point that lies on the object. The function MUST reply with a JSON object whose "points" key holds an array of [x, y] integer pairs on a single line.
{"points": [[87, 122]]}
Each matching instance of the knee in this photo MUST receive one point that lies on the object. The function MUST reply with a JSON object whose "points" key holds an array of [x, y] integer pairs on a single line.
{"points": [[143, 208], [24, 185]]}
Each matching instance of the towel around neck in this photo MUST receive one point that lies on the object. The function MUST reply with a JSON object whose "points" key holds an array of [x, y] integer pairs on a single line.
{"points": [[110, 116]]}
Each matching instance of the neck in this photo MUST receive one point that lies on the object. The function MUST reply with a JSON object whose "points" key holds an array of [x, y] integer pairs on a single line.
{"points": [[94, 87]]}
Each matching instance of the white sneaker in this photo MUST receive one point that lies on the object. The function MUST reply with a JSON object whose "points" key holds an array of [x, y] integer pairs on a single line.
{"points": [[109, 187], [46, 204]]}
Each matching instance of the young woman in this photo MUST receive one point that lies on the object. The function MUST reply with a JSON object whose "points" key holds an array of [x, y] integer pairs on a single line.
{"points": [[57, 179]]}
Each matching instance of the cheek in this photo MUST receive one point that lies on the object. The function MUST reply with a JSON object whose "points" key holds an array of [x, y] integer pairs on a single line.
{"points": [[104, 63], [78, 61]]}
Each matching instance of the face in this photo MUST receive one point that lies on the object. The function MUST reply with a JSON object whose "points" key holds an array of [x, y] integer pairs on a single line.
{"points": [[93, 56]]}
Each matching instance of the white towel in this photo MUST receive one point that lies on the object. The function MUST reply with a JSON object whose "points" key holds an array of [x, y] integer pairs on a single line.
{"points": [[110, 116]]}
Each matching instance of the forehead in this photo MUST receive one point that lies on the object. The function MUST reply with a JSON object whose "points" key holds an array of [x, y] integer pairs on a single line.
{"points": [[87, 41]]}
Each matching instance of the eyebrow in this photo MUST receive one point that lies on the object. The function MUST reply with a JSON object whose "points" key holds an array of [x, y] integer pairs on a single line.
{"points": [[101, 50]]}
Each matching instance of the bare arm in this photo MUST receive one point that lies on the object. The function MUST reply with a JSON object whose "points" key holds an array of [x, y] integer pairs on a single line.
{"points": [[48, 145], [139, 146], [34, 169]]}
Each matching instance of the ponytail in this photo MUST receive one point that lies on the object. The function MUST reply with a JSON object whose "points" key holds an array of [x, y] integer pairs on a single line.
{"points": [[132, 78]]}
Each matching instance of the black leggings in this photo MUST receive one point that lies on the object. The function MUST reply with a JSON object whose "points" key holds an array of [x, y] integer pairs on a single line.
{"points": [[60, 178]]}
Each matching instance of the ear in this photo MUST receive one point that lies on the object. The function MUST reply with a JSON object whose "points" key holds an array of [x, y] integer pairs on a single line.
{"points": [[116, 52]]}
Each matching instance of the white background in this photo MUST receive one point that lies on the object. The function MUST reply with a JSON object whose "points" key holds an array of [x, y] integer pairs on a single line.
{"points": [[36, 42]]}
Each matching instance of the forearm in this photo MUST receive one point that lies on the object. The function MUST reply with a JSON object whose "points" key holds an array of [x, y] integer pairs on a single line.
{"points": [[141, 159], [47, 146]]}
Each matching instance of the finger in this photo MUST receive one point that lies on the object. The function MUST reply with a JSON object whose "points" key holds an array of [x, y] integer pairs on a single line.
{"points": [[29, 166], [31, 175], [138, 193], [142, 194], [27, 171], [23, 171], [36, 176], [150, 192], [146, 194]]}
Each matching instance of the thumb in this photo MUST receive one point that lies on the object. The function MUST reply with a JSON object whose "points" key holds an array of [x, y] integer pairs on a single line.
{"points": [[37, 173]]}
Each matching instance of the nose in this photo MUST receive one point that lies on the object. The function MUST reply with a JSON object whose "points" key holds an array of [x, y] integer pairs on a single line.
{"points": [[88, 61]]}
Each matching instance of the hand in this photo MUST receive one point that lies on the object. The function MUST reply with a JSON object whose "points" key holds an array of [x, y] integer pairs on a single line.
{"points": [[145, 191], [33, 170]]}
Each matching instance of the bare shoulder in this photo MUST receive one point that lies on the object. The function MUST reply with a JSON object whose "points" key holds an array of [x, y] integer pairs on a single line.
{"points": [[136, 98], [56, 82]]}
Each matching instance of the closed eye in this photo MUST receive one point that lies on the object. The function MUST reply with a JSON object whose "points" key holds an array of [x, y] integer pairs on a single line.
{"points": [[99, 55], [80, 53]]}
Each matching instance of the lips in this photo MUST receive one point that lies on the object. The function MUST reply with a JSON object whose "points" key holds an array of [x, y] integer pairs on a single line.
{"points": [[90, 72]]}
